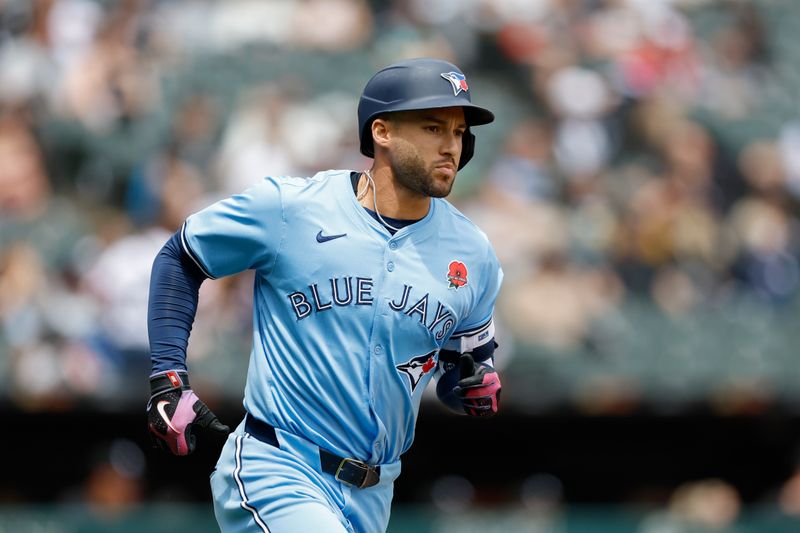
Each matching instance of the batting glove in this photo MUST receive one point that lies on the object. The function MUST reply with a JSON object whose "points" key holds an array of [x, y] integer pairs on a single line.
{"points": [[175, 414], [479, 387]]}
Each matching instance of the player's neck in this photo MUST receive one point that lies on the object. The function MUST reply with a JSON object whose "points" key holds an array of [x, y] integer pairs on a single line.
{"points": [[393, 199]]}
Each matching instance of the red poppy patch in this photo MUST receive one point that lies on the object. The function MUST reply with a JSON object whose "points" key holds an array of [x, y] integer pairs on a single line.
{"points": [[457, 274]]}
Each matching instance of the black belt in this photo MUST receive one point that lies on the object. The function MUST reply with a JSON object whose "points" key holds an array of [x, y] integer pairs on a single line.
{"points": [[347, 470]]}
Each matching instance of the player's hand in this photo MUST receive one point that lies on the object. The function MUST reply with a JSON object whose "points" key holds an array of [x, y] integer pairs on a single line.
{"points": [[175, 414], [478, 387]]}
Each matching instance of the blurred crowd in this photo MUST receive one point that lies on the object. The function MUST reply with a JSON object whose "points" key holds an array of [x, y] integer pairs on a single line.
{"points": [[644, 167], [640, 186]]}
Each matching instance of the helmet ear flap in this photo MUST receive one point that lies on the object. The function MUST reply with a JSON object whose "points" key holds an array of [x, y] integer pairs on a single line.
{"points": [[367, 147], [467, 148]]}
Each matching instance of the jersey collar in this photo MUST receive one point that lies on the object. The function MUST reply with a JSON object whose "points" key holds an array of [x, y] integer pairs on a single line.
{"points": [[348, 202]]}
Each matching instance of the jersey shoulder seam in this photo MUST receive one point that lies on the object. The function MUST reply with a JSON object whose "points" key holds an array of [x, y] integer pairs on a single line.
{"points": [[465, 220], [304, 181]]}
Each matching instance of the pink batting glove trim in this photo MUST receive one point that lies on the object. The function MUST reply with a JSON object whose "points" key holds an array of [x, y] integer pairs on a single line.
{"points": [[489, 388], [184, 415]]}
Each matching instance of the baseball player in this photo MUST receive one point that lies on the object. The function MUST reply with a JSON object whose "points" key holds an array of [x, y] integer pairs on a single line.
{"points": [[367, 284]]}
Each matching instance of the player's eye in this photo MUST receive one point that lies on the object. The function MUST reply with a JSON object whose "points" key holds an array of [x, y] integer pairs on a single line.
{"points": [[459, 133], [433, 128]]}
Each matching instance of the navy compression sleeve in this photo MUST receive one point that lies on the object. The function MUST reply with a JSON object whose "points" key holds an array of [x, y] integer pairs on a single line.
{"points": [[174, 287]]}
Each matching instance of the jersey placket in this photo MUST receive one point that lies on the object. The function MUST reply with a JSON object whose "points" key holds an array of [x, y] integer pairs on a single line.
{"points": [[379, 356]]}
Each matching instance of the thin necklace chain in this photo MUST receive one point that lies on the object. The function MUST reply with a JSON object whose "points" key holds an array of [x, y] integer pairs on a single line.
{"points": [[371, 183]]}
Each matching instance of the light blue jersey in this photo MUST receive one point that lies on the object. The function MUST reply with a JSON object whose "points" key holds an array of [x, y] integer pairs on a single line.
{"points": [[348, 319]]}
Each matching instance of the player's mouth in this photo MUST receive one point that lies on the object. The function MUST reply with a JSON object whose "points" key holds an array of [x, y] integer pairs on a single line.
{"points": [[446, 168]]}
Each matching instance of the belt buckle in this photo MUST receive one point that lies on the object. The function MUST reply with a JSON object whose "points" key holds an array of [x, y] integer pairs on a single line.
{"points": [[364, 467]]}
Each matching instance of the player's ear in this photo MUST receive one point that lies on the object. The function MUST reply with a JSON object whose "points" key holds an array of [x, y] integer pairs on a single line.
{"points": [[381, 130]]}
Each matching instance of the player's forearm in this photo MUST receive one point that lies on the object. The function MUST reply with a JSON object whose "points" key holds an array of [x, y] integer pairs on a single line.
{"points": [[174, 287]]}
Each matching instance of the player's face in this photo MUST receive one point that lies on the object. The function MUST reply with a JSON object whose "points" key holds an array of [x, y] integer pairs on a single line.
{"points": [[426, 149]]}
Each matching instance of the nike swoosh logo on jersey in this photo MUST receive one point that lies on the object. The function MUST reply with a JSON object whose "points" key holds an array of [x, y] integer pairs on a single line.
{"points": [[326, 238], [160, 407]]}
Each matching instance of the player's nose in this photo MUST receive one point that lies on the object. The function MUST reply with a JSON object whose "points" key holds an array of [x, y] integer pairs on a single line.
{"points": [[451, 146]]}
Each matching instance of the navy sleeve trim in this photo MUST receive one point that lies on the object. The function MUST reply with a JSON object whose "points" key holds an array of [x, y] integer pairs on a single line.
{"points": [[472, 331], [190, 253], [468, 341]]}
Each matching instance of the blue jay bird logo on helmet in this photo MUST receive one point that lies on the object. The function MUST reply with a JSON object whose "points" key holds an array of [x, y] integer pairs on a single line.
{"points": [[458, 81]]}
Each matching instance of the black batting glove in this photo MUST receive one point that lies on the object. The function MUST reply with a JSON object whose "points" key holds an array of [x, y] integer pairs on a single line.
{"points": [[478, 387], [175, 414]]}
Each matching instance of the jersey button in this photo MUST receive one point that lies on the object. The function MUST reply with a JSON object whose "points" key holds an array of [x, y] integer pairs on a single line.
{"points": [[393, 245], [379, 349], [390, 266]]}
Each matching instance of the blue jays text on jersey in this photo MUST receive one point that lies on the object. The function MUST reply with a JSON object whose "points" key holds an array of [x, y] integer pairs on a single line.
{"points": [[348, 319], [341, 294]]}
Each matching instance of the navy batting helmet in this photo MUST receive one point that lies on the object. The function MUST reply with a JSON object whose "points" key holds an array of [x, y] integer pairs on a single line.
{"points": [[422, 83]]}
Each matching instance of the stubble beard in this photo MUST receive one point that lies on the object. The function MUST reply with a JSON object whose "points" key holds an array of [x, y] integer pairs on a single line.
{"points": [[409, 171]]}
